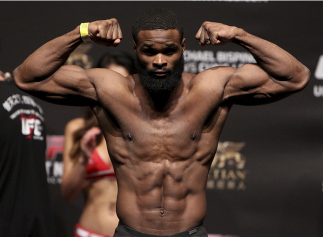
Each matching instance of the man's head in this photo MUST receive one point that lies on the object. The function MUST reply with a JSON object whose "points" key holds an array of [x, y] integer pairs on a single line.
{"points": [[159, 46], [157, 19]]}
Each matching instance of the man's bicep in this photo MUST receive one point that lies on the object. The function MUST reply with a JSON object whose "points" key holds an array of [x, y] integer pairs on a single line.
{"points": [[70, 85], [251, 85]]}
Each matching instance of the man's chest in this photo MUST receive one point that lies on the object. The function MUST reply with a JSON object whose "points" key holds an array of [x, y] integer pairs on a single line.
{"points": [[175, 137]]}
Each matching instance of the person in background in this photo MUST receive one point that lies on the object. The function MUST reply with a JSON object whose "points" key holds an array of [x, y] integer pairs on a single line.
{"points": [[92, 172], [118, 61], [25, 208]]}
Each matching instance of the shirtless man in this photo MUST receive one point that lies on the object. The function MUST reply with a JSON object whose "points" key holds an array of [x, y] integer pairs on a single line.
{"points": [[161, 125]]}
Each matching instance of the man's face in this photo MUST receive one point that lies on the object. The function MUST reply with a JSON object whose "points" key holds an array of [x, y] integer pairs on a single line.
{"points": [[160, 60]]}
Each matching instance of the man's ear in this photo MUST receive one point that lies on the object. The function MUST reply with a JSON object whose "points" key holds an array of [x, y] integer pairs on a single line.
{"points": [[183, 44], [135, 47]]}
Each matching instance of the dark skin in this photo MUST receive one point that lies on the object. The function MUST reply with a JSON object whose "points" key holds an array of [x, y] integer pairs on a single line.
{"points": [[161, 157]]}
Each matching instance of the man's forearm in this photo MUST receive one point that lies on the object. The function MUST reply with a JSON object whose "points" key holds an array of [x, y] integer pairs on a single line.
{"points": [[48, 58]]}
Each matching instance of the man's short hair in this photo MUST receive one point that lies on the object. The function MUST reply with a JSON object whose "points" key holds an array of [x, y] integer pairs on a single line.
{"points": [[157, 19]]}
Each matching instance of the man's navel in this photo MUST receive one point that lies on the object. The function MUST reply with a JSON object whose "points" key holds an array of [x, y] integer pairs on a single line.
{"points": [[193, 136], [130, 137]]}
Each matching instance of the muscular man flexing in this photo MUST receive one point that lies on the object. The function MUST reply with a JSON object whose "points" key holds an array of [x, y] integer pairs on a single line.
{"points": [[161, 125]]}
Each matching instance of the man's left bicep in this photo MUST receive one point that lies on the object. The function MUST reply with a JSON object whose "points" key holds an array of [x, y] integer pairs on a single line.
{"points": [[251, 85]]}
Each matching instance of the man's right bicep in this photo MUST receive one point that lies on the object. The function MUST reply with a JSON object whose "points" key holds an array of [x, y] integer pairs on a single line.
{"points": [[73, 81], [69, 85]]}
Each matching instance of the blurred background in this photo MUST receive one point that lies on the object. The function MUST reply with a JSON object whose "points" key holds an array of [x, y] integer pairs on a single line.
{"points": [[266, 178]]}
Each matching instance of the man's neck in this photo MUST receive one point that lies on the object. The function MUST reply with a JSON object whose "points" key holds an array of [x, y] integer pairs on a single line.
{"points": [[160, 102]]}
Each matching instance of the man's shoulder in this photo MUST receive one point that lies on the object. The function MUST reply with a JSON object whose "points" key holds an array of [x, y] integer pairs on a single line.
{"points": [[187, 77], [212, 73], [217, 70], [109, 79]]}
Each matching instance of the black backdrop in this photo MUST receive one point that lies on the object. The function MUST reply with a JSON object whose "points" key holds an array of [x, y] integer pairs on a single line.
{"points": [[267, 178]]}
